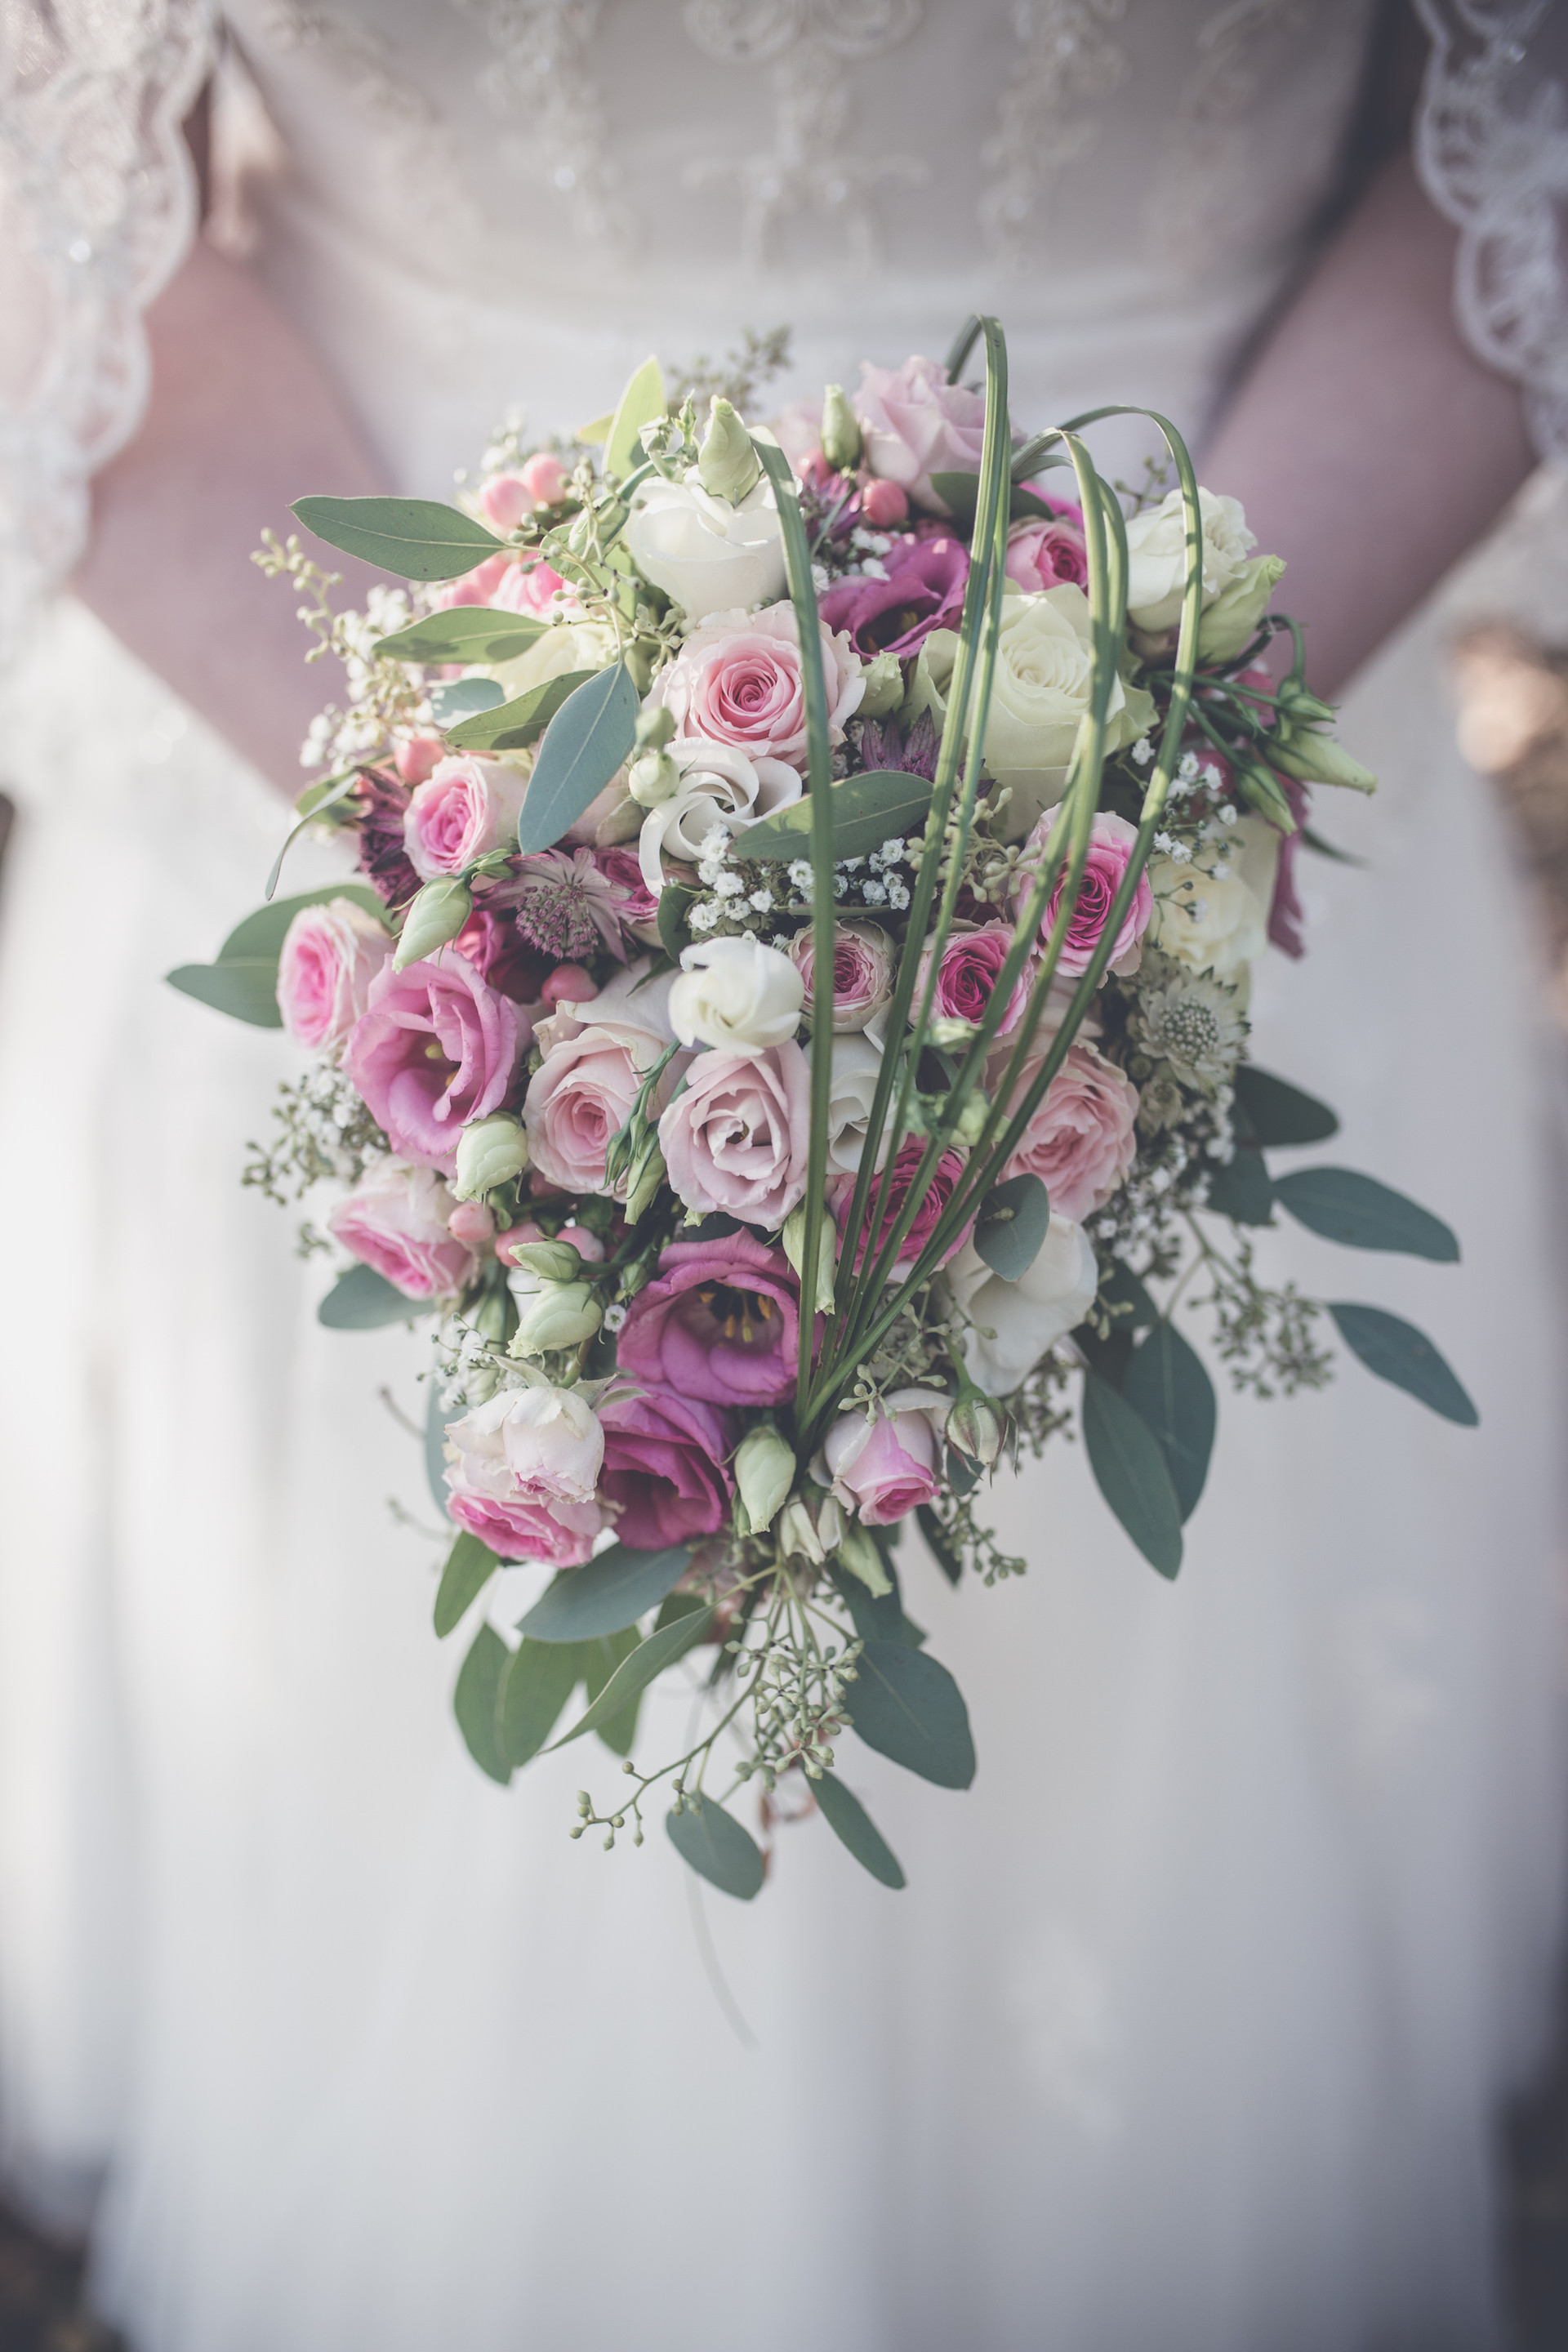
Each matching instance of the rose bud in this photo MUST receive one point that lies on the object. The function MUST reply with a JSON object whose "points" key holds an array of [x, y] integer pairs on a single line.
{"points": [[491, 1151], [841, 431], [978, 1426], [470, 1221], [416, 757], [884, 503], [568, 984]]}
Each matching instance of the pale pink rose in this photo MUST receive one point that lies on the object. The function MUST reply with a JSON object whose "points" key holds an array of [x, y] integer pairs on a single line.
{"points": [[472, 1223], [737, 680], [329, 956], [417, 756], [467, 808], [585, 1092], [1110, 844], [883, 504], [736, 1141], [397, 1219], [506, 499], [862, 971], [523, 1468], [1080, 1142], [544, 477], [916, 425], [967, 975], [531, 586], [475, 587], [883, 1468], [1047, 552], [434, 1048]]}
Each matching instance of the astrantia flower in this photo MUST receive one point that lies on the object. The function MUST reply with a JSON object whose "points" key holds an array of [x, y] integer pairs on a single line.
{"points": [[1191, 1025], [566, 907], [884, 745]]}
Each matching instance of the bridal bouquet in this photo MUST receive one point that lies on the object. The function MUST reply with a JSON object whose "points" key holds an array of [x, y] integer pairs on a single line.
{"points": [[789, 1035]]}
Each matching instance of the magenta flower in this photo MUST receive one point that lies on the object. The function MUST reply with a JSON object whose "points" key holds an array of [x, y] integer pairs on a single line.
{"points": [[436, 1048], [721, 1321], [938, 1193], [923, 591], [966, 977], [664, 1464]]}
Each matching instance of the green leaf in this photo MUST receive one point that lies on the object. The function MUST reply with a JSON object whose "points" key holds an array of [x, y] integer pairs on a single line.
{"points": [[474, 1702], [1315, 841], [883, 804], [436, 1448], [599, 1660], [311, 805], [1120, 1287], [937, 1544], [584, 744], [711, 1842], [464, 698], [1344, 1206], [875, 1617], [245, 988], [1397, 1351], [469, 633], [610, 1591], [513, 726], [642, 401], [469, 1568], [1281, 1113], [1167, 1387], [908, 1707], [540, 1678], [362, 1300], [674, 904], [1130, 1472], [262, 934], [635, 1672], [960, 493], [853, 1827], [418, 539], [1011, 1226], [1243, 1188]]}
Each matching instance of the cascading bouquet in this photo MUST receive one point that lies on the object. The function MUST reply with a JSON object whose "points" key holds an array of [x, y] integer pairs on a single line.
{"points": [[791, 1034]]}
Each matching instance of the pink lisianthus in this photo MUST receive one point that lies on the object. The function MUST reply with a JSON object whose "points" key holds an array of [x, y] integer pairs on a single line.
{"points": [[329, 956], [737, 680], [938, 1191], [923, 591], [665, 1458], [634, 904], [434, 1048], [862, 971], [586, 1089], [523, 1470], [508, 586], [1081, 1140], [1047, 552], [463, 810], [720, 1320], [1111, 846], [396, 1220], [966, 978], [916, 425], [883, 1468], [736, 1141]]}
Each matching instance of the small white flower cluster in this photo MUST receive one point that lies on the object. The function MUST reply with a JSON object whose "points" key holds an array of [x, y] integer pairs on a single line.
{"points": [[871, 881]]}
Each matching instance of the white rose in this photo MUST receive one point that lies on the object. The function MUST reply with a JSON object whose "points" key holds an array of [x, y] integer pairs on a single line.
{"points": [[855, 1065], [722, 791], [1157, 557], [707, 555], [540, 1443], [736, 993], [564, 648], [1217, 925], [1016, 1322]]}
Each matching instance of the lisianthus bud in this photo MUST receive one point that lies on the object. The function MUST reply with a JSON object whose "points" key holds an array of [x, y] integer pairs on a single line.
{"points": [[841, 438], [491, 1151], [972, 1118], [1231, 621], [978, 1426], [1297, 700], [551, 1261], [435, 916], [652, 778], [765, 1469], [884, 686], [858, 1552], [810, 1530], [951, 1034], [655, 726], [1257, 786], [562, 1314], [727, 464], [793, 1239], [1314, 759], [648, 1172]]}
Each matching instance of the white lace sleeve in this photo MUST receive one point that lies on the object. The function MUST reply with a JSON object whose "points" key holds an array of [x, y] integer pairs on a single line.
{"points": [[1491, 146], [96, 208]]}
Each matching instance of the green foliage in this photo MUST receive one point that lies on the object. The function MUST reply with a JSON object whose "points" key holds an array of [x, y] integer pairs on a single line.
{"points": [[362, 1300], [599, 1660], [875, 1617], [674, 931], [712, 1843], [262, 934], [609, 1592], [417, 539], [1167, 1387], [1130, 1472], [882, 805], [435, 1447], [245, 988], [908, 1707], [960, 493], [1345, 1206], [1241, 1189], [513, 726], [1396, 1351], [540, 1678], [1011, 1228], [1279, 1113], [853, 1827], [474, 1702], [459, 698], [469, 1568], [642, 401], [469, 633], [947, 1558], [638, 1669], [589, 738]]}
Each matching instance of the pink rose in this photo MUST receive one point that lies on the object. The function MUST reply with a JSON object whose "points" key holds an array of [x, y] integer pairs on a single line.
{"points": [[396, 1220], [883, 1468], [968, 974], [916, 425], [329, 957], [1080, 1142], [1111, 843], [417, 756], [720, 1322], [923, 591], [938, 1193], [737, 1139], [1047, 552], [737, 680], [506, 499], [523, 1468], [862, 971], [462, 811], [586, 1091], [534, 588], [664, 1465], [434, 1048], [475, 587]]}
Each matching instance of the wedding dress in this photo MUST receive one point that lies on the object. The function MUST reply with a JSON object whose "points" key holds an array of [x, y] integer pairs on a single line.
{"points": [[1191, 2029]]}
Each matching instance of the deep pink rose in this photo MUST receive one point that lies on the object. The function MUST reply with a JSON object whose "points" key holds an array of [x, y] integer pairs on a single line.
{"points": [[938, 1193], [329, 956], [1111, 843], [664, 1464], [560, 1534], [1047, 552], [436, 1048], [882, 1469], [923, 591], [395, 1220], [736, 1141], [737, 680], [1080, 1142], [968, 974], [916, 425], [721, 1321]]}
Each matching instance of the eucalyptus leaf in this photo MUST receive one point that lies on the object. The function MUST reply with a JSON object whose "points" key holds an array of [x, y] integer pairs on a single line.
{"points": [[362, 1300], [1010, 1230], [639, 404], [1130, 1472], [599, 1660], [589, 738], [1282, 1113], [674, 905], [468, 632], [513, 726], [474, 1702], [470, 1565], [318, 803], [417, 539], [875, 1617], [1168, 1388], [853, 1827], [1396, 1350], [245, 988], [1357, 1210], [1242, 1189], [262, 934], [908, 1707], [941, 1550], [711, 1842], [540, 1678], [436, 1448], [608, 1593], [464, 698], [635, 1672], [883, 804]]}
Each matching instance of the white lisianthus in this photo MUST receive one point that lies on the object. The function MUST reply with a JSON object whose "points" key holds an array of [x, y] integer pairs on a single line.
{"points": [[856, 1067], [737, 994], [1016, 1322], [707, 555], [1217, 923], [1157, 557], [720, 791]]}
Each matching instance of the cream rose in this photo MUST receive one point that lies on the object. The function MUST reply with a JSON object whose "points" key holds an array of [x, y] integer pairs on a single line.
{"points": [[707, 555], [564, 648], [1217, 925], [1157, 557], [857, 1065], [736, 993], [1013, 1323], [722, 791]]}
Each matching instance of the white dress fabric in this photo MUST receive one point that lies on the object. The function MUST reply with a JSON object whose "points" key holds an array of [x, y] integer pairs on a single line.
{"points": [[1191, 2026]]}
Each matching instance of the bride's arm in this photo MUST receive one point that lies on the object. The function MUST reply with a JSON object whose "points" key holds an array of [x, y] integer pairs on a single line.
{"points": [[241, 420], [1366, 442]]}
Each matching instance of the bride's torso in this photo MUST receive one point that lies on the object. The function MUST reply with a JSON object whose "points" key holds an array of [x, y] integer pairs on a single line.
{"points": [[479, 203]]}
